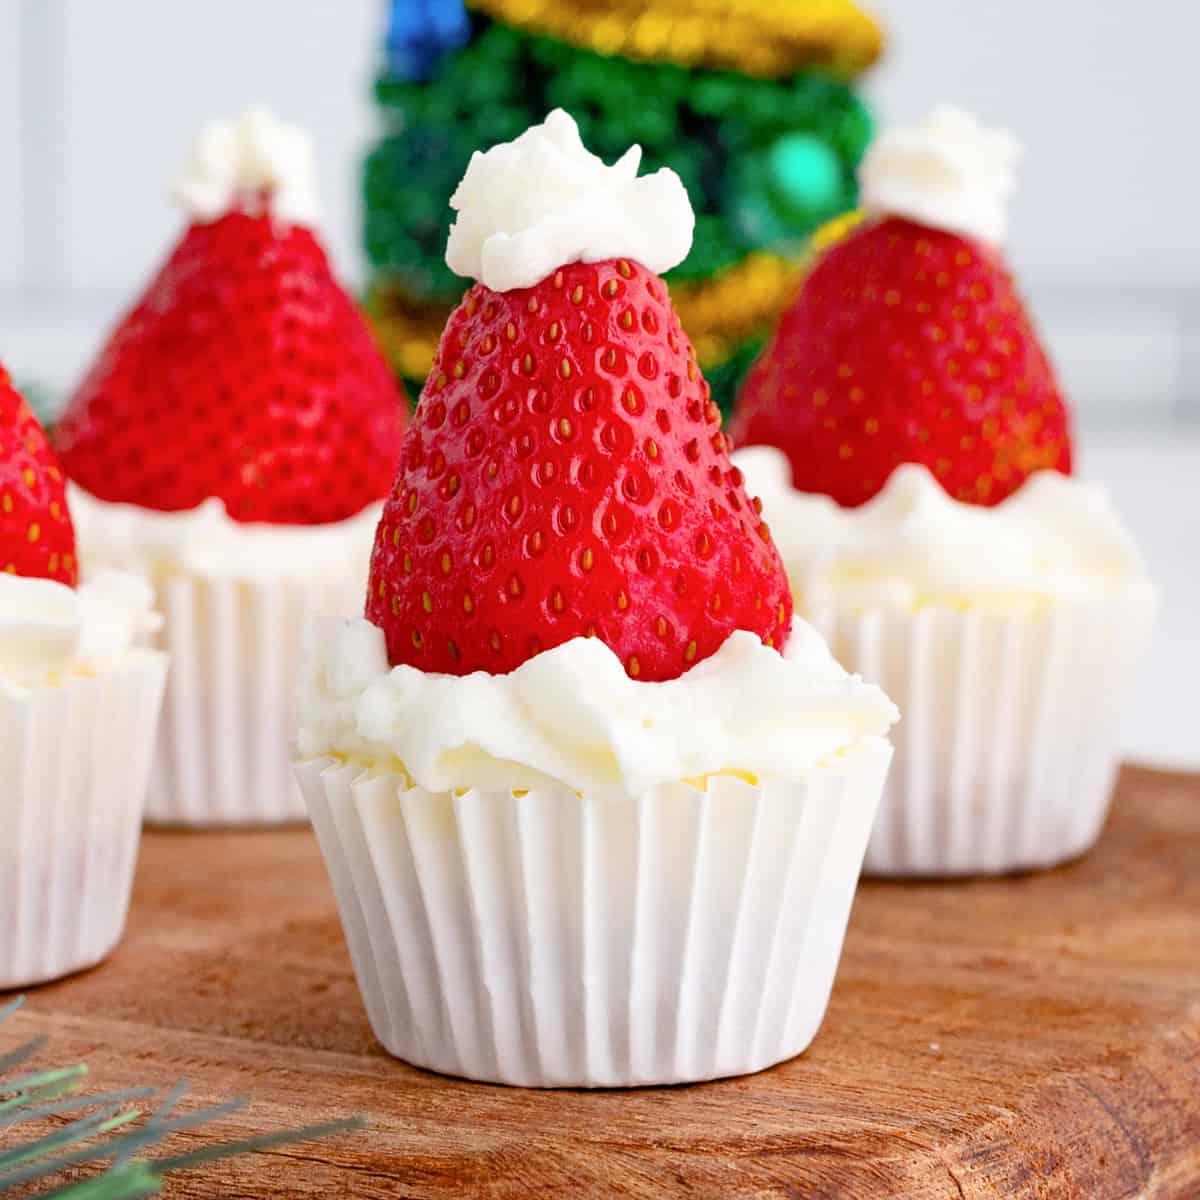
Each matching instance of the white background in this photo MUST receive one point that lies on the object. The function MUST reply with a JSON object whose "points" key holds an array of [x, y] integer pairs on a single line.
{"points": [[99, 99]]}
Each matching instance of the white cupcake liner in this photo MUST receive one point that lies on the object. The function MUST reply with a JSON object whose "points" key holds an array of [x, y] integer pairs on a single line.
{"points": [[547, 939], [1008, 741], [235, 646], [75, 760]]}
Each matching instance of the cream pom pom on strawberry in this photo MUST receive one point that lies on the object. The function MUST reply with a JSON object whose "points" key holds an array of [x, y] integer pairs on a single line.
{"points": [[245, 371], [908, 341], [565, 474], [36, 535]]}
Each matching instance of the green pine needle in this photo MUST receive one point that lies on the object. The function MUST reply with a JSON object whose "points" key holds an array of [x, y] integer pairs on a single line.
{"points": [[265, 1141], [93, 1125], [46, 1084], [127, 1182], [21, 1053], [59, 1107], [105, 1131]]}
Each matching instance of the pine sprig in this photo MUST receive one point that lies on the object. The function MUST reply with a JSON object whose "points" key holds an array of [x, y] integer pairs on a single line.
{"points": [[110, 1129]]}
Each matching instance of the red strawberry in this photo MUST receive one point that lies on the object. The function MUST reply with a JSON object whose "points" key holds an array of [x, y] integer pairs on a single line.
{"points": [[36, 535], [907, 344], [565, 475], [244, 372]]}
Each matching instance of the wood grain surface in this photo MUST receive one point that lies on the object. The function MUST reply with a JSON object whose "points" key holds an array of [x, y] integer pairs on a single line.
{"points": [[1035, 1036]]}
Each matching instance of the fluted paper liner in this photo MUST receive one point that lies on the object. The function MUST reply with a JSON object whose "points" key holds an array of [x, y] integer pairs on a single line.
{"points": [[75, 760], [547, 939], [1008, 744], [236, 645]]}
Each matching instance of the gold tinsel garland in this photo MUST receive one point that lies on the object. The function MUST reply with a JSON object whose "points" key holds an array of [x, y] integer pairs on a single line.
{"points": [[719, 314], [765, 38], [832, 231], [408, 330]]}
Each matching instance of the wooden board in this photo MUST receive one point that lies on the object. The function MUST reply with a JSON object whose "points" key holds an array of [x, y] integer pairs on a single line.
{"points": [[1026, 1037]]}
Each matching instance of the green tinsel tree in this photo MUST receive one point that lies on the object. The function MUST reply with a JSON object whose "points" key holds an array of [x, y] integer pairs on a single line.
{"points": [[752, 104]]}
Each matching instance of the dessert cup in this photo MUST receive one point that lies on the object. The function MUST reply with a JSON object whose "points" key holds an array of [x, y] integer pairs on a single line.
{"points": [[551, 939], [76, 740], [613, 926], [232, 442], [1009, 743], [593, 805], [907, 434], [234, 600], [1009, 638]]}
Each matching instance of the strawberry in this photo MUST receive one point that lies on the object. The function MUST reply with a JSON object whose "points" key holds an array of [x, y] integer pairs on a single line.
{"points": [[566, 475], [907, 344], [36, 535], [245, 372]]}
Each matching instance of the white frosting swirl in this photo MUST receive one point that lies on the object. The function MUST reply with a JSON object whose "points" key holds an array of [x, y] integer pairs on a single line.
{"points": [[572, 715], [527, 207], [948, 172], [233, 162], [208, 542], [49, 631], [1055, 538]]}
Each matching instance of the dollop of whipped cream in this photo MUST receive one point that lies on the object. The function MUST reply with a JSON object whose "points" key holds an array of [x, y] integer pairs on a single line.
{"points": [[49, 631], [527, 207], [208, 542], [1055, 537], [234, 163], [947, 172], [572, 716]]}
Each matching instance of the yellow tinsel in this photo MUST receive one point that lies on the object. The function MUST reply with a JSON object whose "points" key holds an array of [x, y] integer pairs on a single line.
{"points": [[833, 231], [721, 313], [765, 38], [718, 314], [408, 331]]}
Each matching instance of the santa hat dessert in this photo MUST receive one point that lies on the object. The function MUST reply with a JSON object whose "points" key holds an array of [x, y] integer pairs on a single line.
{"points": [[592, 803], [233, 442], [913, 450], [79, 704]]}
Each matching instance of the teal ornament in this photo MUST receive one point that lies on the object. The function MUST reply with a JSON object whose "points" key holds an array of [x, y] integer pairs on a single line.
{"points": [[781, 191], [804, 177]]}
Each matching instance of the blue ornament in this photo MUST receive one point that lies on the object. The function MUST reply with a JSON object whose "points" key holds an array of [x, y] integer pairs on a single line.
{"points": [[421, 33]]}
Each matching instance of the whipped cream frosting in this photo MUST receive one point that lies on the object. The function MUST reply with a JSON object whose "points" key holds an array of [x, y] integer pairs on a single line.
{"points": [[49, 631], [527, 207], [572, 715], [1056, 537], [947, 172], [234, 162], [207, 541]]}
